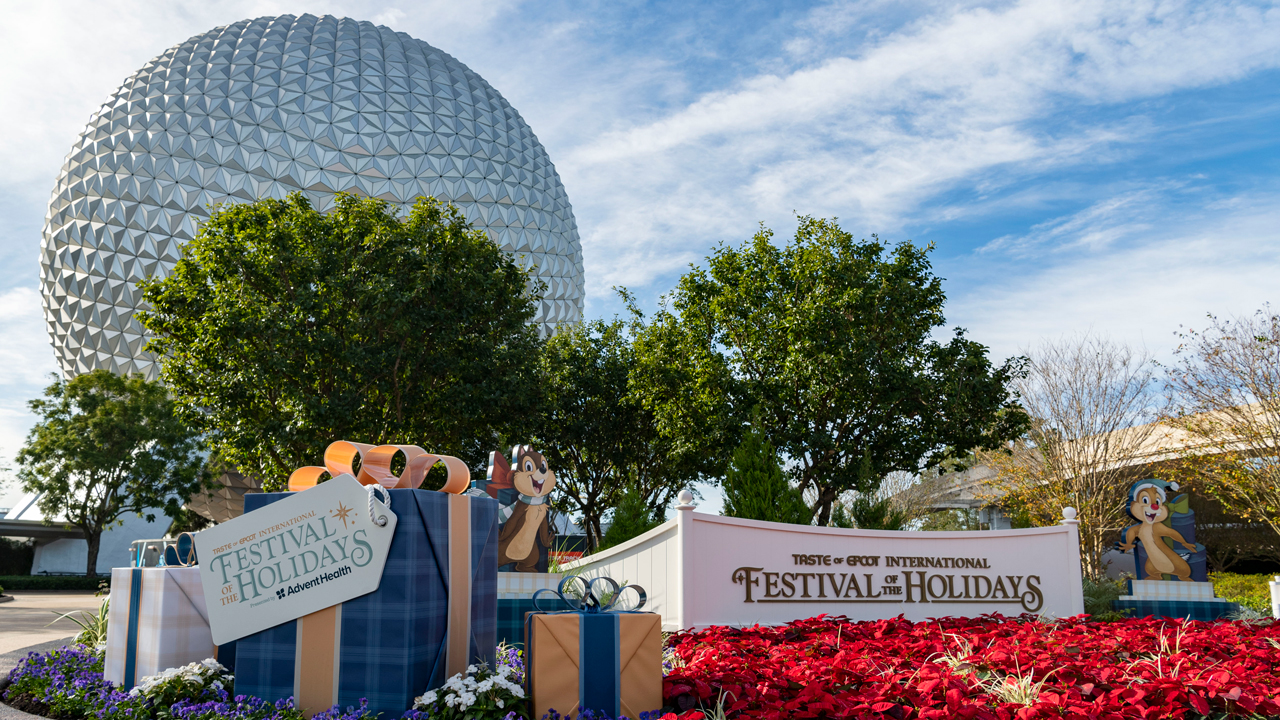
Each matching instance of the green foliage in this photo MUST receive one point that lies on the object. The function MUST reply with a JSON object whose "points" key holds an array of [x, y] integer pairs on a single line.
{"points": [[1251, 591], [187, 520], [93, 626], [871, 514], [755, 489], [632, 518], [282, 329], [832, 339], [51, 582], [865, 511], [16, 556], [595, 433], [951, 520], [1099, 596], [1020, 517], [106, 445]]}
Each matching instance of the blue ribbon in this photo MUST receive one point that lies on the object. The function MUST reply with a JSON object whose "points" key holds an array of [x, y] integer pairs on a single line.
{"points": [[589, 602], [131, 637], [599, 638], [183, 554]]}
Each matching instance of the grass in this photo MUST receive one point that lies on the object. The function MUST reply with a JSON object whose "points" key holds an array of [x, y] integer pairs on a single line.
{"points": [[1019, 688]]}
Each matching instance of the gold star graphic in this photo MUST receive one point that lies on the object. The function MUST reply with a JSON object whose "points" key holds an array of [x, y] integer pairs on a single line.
{"points": [[341, 514]]}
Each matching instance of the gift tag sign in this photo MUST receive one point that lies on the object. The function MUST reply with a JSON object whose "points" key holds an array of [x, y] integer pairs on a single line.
{"points": [[312, 550]]}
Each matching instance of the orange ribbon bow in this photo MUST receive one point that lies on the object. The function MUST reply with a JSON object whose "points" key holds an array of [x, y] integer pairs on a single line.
{"points": [[375, 467]]}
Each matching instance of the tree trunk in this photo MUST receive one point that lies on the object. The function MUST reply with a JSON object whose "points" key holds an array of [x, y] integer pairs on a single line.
{"points": [[94, 539], [826, 498]]}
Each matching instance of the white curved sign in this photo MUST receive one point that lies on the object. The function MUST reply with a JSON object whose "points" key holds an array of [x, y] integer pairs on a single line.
{"points": [[702, 570]]}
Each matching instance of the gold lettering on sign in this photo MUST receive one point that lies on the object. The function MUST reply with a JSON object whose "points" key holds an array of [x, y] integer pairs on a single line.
{"points": [[909, 586]]}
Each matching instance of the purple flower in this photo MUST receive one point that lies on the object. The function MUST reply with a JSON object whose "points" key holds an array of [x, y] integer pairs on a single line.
{"points": [[351, 713]]}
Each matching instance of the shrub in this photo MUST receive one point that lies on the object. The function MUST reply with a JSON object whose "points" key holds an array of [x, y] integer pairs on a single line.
{"points": [[50, 582], [1251, 591], [632, 518], [756, 489], [1099, 596]]}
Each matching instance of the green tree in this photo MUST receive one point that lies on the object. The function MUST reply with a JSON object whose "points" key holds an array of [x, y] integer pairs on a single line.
{"points": [[632, 518], [755, 488], [106, 445], [282, 329], [833, 340], [595, 433]]}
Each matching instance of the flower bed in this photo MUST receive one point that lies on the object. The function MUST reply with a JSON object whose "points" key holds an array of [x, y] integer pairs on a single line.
{"points": [[67, 684], [986, 668]]}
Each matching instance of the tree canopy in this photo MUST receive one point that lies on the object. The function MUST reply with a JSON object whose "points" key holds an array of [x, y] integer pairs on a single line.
{"points": [[1224, 392], [833, 340], [597, 435], [104, 446], [282, 328]]}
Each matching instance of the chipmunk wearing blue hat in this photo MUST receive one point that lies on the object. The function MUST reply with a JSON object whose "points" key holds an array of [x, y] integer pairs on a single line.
{"points": [[1169, 555]]}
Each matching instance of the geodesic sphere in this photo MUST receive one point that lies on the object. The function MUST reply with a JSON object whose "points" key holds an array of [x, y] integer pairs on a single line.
{"points": [[266, 107]]}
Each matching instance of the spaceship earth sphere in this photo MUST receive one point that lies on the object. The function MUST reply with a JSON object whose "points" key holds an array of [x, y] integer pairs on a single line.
{"points": [[266, 107]]}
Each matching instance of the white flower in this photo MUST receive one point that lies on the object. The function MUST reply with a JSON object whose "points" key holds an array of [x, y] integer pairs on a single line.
{"points": [[500, 703], [471, 669]]}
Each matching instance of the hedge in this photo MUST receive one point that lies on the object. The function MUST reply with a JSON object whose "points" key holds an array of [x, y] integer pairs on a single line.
{"points": [[52, 582], [1251, 591]]}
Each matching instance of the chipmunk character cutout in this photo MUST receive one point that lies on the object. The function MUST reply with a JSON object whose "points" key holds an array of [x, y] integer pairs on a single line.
{"points": [[1148, 504], [525, 537]]}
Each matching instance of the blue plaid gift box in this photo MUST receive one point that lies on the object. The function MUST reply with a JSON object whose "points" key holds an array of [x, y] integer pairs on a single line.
{"points": [[404, 638]]}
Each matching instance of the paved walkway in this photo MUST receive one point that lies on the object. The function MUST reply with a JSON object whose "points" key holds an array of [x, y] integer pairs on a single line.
{"points": [[26, 619]]}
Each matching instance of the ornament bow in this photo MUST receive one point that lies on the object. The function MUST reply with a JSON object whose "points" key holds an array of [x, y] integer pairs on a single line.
{"points": [[586, 599]]}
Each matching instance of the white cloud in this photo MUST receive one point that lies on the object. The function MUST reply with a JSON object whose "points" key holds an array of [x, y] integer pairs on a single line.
{"points": [[27, 359], [944, 100], [1189, 265], [63, 60]]}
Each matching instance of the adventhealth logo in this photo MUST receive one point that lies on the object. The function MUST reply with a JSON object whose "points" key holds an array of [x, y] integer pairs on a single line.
{"points": [[314, 582]]}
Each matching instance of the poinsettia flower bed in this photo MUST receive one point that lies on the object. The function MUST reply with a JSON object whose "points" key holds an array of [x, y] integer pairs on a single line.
{"points": [[989, 668]]}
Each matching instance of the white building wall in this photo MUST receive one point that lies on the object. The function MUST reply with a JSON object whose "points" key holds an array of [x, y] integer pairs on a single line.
{"points": [[70, 555]]}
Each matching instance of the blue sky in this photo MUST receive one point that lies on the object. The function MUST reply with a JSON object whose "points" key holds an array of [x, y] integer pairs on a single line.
{"points": [[1106, 166]]}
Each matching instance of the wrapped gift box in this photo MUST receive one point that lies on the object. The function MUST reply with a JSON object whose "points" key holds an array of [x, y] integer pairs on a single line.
{"points": [[157, 620], [434, 613], [601, 661]]}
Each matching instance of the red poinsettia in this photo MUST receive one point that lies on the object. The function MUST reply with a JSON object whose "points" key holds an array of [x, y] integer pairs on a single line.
{"points": [[988, 668]]}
